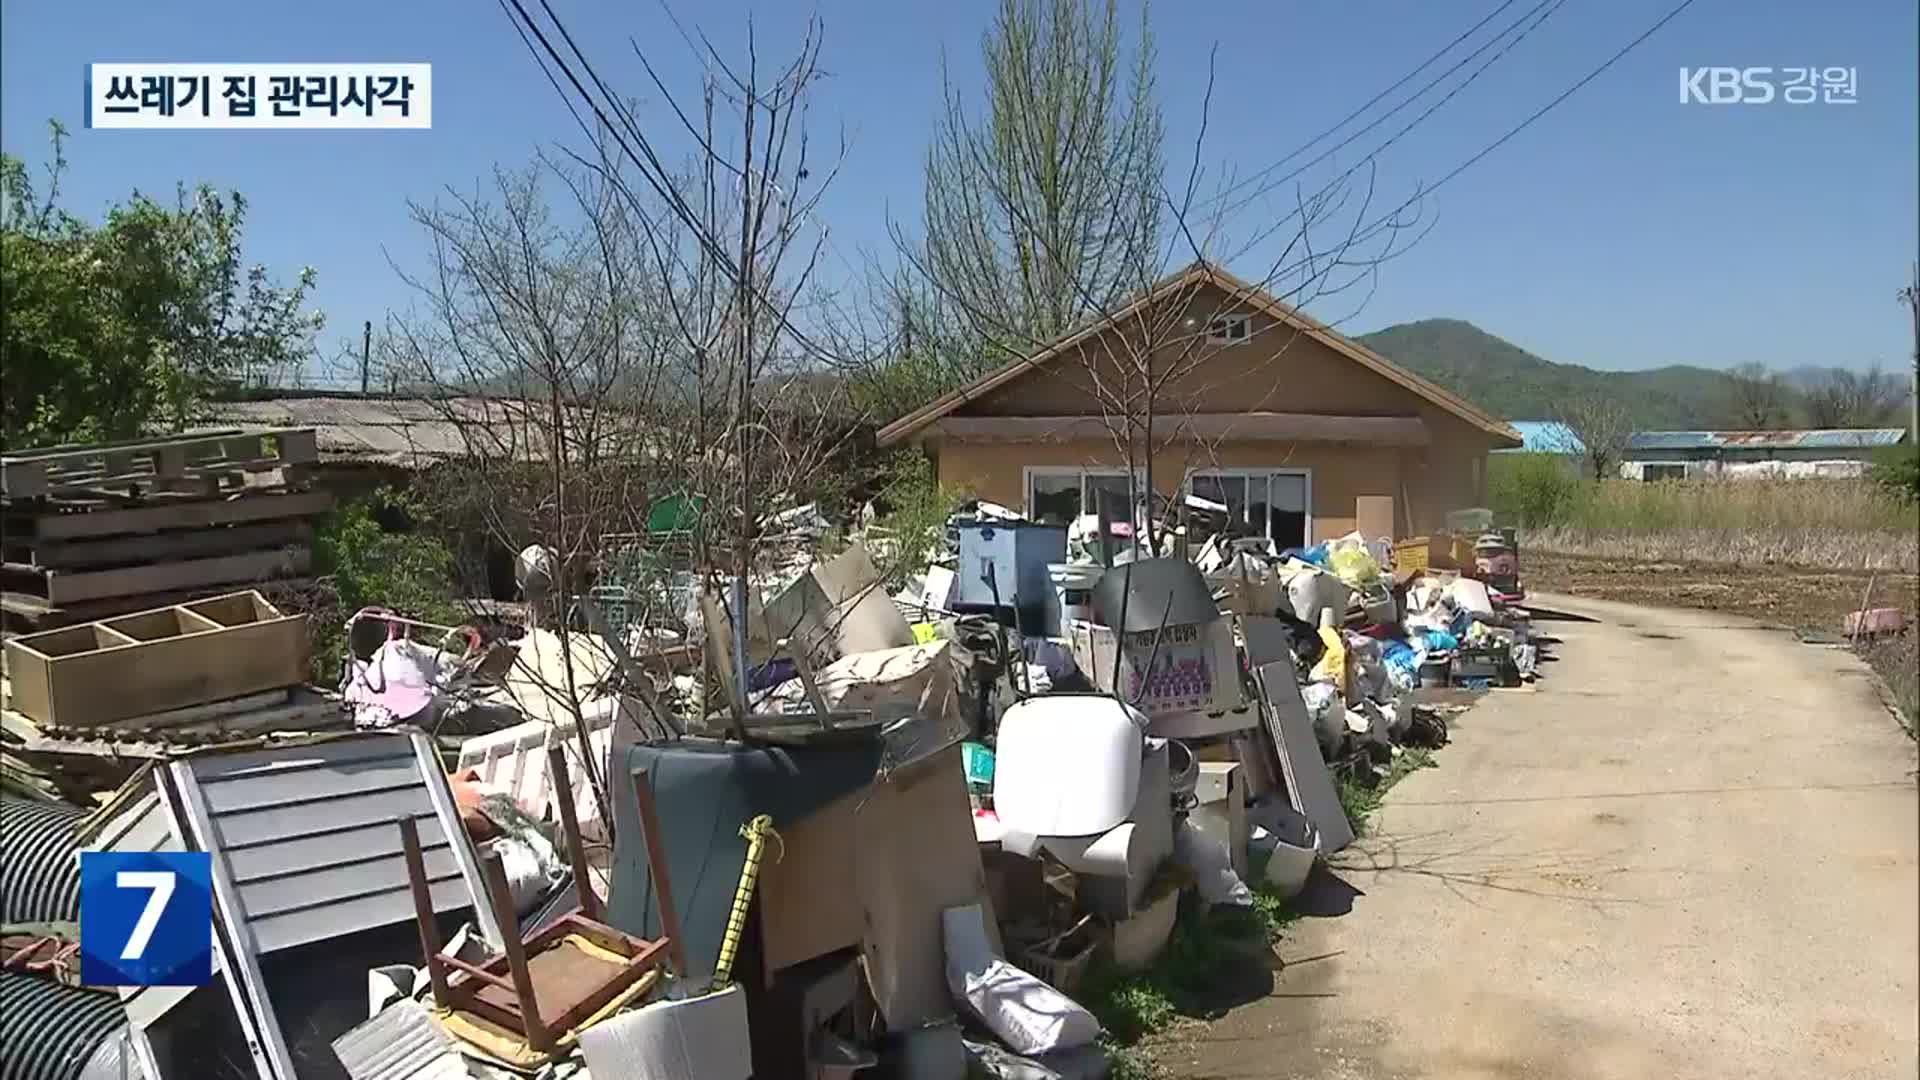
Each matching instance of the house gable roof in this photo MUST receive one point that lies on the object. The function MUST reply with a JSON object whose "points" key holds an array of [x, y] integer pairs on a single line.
{"points": [[1255, 297]]}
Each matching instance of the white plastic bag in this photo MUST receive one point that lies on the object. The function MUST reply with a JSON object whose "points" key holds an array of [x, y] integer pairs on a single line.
{"points": [[1027, 1014], [1211, 865]]}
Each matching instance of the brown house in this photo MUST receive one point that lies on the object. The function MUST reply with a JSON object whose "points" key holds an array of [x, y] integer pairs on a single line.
{"points": [[1298, 430]]}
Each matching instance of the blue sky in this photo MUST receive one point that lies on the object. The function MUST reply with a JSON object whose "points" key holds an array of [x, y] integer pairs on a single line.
{"points": [[1622, 230]]}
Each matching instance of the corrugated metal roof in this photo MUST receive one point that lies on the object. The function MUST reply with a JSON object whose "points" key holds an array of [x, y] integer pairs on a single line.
{"points": [[415, 432], [1819, 439], [40, 873], [307, 834], [49, 1031], [401, 431]]}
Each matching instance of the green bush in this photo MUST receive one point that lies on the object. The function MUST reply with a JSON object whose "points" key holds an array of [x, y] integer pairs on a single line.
{"points": [[916, 508], [1897, 472], [1533, 490], [369, 565]]}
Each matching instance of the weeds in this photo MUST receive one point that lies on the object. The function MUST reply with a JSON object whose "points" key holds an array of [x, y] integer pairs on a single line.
{"points": [[1185, 979], [1362, 793], [367, 565], [1838, 523]]}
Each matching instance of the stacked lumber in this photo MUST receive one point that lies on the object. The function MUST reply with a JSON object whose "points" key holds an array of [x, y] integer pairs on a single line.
{"points": [[95, 530]]}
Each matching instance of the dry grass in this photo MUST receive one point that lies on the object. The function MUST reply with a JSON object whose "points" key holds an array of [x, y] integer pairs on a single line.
{"points": [[1750, 547], [1838, 524]]}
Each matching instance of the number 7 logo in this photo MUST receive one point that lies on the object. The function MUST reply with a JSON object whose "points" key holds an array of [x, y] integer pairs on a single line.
{"points": [[146, 918], [161, 882]]}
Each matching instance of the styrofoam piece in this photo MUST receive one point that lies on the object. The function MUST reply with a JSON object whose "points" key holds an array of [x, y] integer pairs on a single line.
{"points": [[704, 1037], [1309, 781], [1136, 941], [1471, 595], [402, 1042], [1027, 1014], [1113, 853], [1222, 809], [1032, 790], [1311, 593]]}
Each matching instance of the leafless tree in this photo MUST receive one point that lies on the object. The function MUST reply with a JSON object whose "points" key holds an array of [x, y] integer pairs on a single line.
{"points": [[1854, 399], [1603, 424], [601, 331], [1757, 397]]}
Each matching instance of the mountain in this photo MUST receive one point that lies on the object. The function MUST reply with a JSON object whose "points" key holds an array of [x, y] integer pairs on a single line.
{"points": [[1512, 383]]}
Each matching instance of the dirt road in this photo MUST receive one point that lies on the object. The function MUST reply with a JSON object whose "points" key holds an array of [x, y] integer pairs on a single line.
{"points": [[1690, 853]]}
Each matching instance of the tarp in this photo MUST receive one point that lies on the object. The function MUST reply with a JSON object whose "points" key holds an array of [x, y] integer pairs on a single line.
{"points": [[704, 792]]}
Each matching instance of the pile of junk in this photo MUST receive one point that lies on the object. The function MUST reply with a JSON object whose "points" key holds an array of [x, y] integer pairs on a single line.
{"points": [[821, 826]]}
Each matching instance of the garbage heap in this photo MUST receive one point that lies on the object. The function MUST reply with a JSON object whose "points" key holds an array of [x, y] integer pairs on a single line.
{"points": [[808, 830]]}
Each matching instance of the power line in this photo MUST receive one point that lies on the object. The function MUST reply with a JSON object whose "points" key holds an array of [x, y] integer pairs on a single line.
{"points": [[1374, 100], [651, 170], [1539, 13], [1535, 115]]}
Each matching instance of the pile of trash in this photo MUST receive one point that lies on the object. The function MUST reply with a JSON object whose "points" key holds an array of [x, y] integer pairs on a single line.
{"points": [[808, 826]]}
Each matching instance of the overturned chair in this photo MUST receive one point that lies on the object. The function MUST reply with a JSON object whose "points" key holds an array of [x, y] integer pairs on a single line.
{"points": [[560, 975]]}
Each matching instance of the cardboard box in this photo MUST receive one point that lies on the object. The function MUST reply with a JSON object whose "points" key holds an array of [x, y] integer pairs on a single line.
{"points": [[1196, 668]]}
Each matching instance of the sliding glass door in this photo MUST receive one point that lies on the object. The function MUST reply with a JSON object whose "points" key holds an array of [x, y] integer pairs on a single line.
{"points": [[1252, 502]]}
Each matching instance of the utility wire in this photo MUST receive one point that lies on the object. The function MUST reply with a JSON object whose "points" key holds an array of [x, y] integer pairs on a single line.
{"points": [[1539, 14], [1535, 115], [1370, 103], [646, 159]]}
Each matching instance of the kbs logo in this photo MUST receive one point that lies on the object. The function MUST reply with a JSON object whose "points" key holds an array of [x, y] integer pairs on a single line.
{"points": [[1760, 85], [146, 918]]}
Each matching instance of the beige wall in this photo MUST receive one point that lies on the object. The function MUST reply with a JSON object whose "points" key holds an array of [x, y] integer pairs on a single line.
{"points": [[1277, 370], [1339, 474]]}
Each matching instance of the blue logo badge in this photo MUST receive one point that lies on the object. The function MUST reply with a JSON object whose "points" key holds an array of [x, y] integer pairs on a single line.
{"points": [[146, 918]]}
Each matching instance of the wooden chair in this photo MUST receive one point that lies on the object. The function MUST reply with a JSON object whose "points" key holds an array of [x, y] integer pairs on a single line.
{"points": [[544, 984]]}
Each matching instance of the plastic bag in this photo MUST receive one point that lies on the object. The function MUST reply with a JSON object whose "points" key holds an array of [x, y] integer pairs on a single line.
{"points": [[1332, 666], [1354, 565], [1027, 1014], [1211, 865], [1403, 665]]}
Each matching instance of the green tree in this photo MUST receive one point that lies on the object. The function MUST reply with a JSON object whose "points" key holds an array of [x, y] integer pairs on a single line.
{"points": [[117, 329], [1046, 207]]}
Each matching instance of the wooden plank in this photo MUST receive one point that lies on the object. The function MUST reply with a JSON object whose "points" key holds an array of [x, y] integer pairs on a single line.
{"points": [[64, 450], [42, 616], [193, 515], [165, 547], [65, 588], [84, 688]]}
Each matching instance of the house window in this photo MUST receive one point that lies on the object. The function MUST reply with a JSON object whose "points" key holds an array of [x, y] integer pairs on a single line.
{"points": [[1229, 329], [1057, 496], [1253, 502], [1664, 472]]}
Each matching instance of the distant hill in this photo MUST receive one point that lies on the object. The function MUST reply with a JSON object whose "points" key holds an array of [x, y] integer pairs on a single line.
{"points": [[1514, 384]]}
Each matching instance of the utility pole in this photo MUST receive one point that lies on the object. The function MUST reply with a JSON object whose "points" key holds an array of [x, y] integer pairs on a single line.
{"points": [[366, 353], [1912, 296]]}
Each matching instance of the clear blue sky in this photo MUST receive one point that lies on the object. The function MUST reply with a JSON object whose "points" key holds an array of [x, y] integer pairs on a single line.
{"points": [[1622, 230]]}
